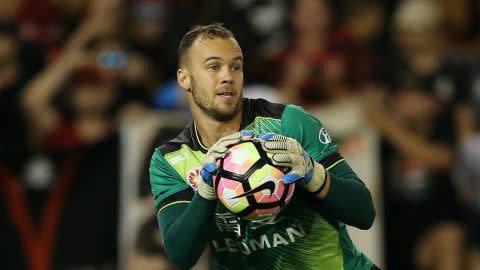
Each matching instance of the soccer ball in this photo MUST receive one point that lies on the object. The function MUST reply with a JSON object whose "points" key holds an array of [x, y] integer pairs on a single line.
{"points": [[248, 184]]}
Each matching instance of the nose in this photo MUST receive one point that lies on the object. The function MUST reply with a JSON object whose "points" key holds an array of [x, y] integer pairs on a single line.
{"points": [[226, 76]]}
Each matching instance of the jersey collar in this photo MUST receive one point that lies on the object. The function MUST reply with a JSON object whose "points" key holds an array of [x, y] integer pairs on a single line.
{"points": [[196, 137]]}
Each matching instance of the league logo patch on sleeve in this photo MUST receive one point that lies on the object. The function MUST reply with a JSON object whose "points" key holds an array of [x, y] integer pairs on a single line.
{"points": [[193, 178], [323, 136]]}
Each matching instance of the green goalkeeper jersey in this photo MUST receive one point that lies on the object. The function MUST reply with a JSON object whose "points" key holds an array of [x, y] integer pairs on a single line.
{"points": [[307, 234]]}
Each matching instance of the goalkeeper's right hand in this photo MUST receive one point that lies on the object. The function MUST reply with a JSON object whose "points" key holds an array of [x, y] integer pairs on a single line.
{"points": [[218, 150]]}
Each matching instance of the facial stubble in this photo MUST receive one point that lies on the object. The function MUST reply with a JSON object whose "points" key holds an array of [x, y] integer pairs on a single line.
{"points": [[211, 111]]}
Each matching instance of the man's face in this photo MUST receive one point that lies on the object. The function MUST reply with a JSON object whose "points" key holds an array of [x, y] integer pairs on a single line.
{"points": [[215, 71]]}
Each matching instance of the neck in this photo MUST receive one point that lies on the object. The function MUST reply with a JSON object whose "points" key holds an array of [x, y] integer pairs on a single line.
{"points": [[209, 130]]}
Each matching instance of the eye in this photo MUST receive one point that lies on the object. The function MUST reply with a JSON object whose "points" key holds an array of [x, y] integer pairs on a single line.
{"points": [[237, 67], [213, 67]]}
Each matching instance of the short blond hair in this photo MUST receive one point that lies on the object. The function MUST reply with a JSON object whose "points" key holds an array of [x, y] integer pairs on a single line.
{"points": [[214, 30]]}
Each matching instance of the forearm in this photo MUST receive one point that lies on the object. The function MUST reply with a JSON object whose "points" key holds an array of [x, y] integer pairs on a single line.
{"points": [[348, 199], [40, 90], [436, 156], [186, 230]]}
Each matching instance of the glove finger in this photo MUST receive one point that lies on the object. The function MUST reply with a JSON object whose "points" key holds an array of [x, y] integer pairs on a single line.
{"points": [[265, 136], [233, 139], [220, 148], [297, 174], [278, 137], [247, 134], [241, 135], [275, 146], [290, 178], [213, 156], [281, 147], [209, 159], [215, 152], [285, 160], [222, 145]]}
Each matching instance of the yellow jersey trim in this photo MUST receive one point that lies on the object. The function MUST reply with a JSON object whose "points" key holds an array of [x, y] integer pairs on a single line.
{"points": [[334, 164], [170, 204]]}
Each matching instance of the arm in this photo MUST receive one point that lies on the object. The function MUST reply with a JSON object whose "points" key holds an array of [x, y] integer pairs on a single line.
{"points": [[39, 92], [433, 154], [183, 218], [343, 194], [185, 222], [185, 229], [347, 197]]}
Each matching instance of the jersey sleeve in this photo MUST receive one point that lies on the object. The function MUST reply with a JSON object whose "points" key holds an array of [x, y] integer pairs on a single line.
{"points": [[310, 133], [167, 185], [348, 199]]}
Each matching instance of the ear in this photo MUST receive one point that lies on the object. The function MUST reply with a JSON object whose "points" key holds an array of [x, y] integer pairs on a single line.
{"points": [[183, 78]]}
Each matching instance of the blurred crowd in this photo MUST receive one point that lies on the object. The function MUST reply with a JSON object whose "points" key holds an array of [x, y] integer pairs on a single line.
{"points": [[71, 71]]}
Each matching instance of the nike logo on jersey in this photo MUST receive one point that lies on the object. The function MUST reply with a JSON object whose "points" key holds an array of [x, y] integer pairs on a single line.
{"points": [[270, 185]]}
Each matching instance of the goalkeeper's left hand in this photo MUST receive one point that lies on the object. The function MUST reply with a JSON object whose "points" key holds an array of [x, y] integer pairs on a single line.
{"points": [[288, 152]]}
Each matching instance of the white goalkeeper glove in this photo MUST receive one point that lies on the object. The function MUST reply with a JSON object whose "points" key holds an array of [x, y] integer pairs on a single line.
{"points": [[288, 152], [218, 150]]}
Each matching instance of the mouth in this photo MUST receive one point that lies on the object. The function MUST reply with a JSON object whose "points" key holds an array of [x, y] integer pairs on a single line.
{"points": [[225, 94]]}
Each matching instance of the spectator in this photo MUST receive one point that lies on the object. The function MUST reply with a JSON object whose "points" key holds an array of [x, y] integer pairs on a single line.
{"points": [[422, 118], [92, 92], [149, 24], [266, 20], [364, 24], [311, 70], [48, 23], [131, 71], [60, 204]]}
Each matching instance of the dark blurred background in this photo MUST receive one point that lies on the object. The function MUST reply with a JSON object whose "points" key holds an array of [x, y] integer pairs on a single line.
{"points": [[88, 90]]}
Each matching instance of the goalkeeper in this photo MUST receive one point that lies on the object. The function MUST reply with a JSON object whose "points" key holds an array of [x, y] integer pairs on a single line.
{"points": [[310, 233]]}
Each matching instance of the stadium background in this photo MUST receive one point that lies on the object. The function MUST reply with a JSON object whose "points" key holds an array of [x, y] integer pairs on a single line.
{"points": [[88, 89]]}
